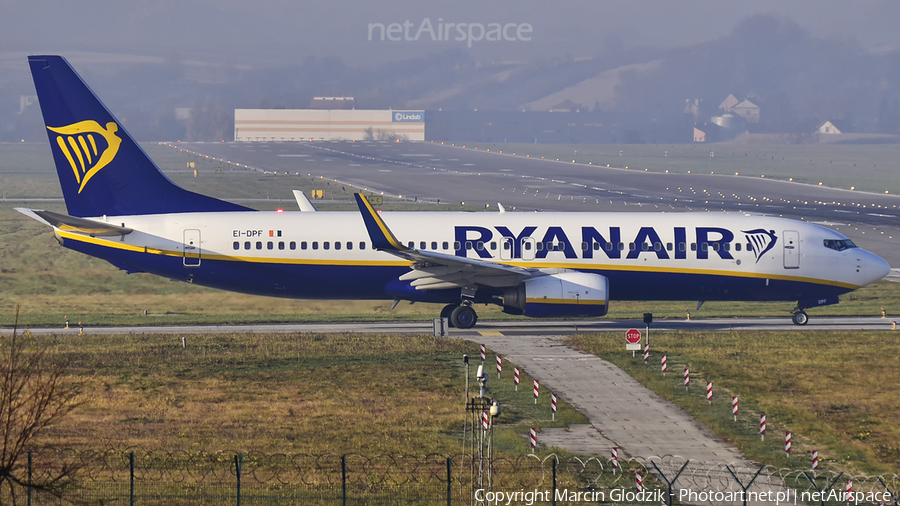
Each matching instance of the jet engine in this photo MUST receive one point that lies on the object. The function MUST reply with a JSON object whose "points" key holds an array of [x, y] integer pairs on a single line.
{"points": [[567, 293]]}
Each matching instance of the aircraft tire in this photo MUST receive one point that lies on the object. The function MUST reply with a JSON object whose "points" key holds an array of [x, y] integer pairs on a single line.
{"points": [[800, 318], [447, 310], [463, 317]]}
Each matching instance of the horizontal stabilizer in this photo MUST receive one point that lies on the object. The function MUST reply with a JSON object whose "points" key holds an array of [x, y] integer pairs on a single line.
{"points": [[77, 225]]}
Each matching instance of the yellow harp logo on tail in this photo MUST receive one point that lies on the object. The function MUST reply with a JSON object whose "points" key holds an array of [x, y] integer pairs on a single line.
{"points": [[79, 144]]}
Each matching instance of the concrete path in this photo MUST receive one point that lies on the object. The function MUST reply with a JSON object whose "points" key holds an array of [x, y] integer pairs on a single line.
{"points": [[625, 414]]}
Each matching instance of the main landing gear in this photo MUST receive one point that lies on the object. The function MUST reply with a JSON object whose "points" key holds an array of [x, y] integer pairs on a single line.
{"points": [[799, 317], [462, 316]]}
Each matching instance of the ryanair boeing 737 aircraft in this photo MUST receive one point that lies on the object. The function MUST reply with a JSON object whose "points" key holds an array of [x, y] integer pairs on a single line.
{"points": [[122, 209]]}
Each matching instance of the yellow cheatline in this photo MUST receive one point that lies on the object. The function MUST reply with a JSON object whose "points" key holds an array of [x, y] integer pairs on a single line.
{"points": [[566, 301]]}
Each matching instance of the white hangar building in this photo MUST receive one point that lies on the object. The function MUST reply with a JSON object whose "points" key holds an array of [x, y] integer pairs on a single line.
{"points": [[327, 124]]}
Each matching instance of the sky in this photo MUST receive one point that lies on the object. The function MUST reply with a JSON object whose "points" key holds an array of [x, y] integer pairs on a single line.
{"points": [[266, 32]]}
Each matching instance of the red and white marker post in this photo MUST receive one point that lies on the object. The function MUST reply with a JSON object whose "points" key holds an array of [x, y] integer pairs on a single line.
{"points": [[614, 460], [484, 420], [482, 353], [848, 491], [638, 481], [537, 390], [815, 460], [516, 377], [734, 407], [787, 443], [533, 439], [687, 379], [709, 392], [499, 366], [762, 426], [646, 353], [663, 365], [553, 405]]}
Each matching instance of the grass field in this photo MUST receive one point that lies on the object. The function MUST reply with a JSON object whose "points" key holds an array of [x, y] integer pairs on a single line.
{"points": [[870, 168], [835, 391], [329, 393]]}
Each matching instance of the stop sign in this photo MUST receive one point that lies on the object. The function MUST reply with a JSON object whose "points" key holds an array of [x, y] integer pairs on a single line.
{"points": [[633, 336]]}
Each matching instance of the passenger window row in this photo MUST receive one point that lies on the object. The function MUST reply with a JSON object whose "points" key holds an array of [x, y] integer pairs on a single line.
{"points": [[480, 246], [293, 245]]}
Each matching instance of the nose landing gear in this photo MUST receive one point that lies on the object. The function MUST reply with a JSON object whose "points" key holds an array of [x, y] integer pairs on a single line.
{"points": [[799, 317]]}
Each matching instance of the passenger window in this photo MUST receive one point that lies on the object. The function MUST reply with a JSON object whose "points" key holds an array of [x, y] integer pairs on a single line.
{"points": [[280, 244], [349, 244], [681, 246], [303, 245], [727, 246], [247, 245], [270, 245], [645, 246], [479, 246], [621, 246], [326, 245], [669, 246], [337, 244], [704, 246], [445, 245], [539, 246], [493, 245], [293, 245], [411, 245], [434, 245], [468, 245], [237, 245], [362, 245], [657, 246], [422, 245], [737, 246], [457, 246], [631, 246], [258, 244], [693, 246], [315, 245], [527, 246]]}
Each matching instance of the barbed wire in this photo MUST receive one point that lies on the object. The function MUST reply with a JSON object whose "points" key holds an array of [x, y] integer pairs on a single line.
{"points": [[316, 472]]}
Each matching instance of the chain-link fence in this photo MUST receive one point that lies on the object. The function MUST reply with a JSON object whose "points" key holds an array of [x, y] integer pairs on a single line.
{"points": [[154, 477]]}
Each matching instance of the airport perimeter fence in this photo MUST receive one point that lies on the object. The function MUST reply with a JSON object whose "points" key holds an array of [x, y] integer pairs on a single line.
{"points": [[137, 476]]}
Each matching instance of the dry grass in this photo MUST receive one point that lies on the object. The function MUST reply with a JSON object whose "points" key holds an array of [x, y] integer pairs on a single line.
{"points": [[302, 393], [835, 391]]}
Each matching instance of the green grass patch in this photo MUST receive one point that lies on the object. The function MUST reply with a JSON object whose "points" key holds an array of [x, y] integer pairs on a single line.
{"points": [[299, 393], [835, 391]]}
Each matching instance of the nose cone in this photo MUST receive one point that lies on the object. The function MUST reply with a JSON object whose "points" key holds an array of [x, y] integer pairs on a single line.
{"points": [[876, 268]]}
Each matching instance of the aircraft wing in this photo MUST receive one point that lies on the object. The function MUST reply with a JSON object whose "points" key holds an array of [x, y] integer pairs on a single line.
{"points": [[73, 224], [435, 271]]}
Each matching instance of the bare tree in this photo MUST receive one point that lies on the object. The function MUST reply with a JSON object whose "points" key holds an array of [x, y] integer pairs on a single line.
{"points": [[35, 393]]}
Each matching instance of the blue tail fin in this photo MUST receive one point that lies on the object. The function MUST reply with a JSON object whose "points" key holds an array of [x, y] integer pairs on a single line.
{"points": [[101, 169]]}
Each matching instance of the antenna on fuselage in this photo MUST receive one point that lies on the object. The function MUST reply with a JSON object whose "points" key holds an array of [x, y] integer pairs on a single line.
{"points": [[502, 209]]}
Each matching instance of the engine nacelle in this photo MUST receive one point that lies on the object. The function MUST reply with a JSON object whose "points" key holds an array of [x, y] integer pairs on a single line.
{"points": [[568, 293]]}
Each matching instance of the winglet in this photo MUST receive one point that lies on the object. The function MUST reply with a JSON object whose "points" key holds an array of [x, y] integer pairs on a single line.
{"points": [[381, 236]]}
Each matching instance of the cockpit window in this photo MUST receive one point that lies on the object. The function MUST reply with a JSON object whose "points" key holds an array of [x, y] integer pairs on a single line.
{"points": [[839, 244]]}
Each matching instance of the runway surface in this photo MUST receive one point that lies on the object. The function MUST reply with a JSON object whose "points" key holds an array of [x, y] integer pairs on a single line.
{"points": [[431, 172], [518, 328]]}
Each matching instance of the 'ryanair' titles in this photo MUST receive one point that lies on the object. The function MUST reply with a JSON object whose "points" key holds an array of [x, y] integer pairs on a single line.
{"points": [[647, 241]]}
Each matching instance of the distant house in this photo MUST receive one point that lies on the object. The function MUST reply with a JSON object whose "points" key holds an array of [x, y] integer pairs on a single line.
{"points": [[332, 103], [728, 104], [567, 106], [828, 128], [699, 135], [692, 107], [748, 110]]}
